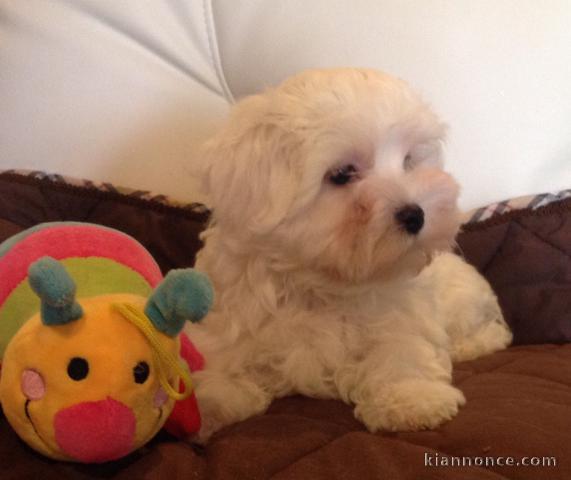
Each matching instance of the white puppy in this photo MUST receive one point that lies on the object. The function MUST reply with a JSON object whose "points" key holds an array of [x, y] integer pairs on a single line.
{"points": [[330, 210]]}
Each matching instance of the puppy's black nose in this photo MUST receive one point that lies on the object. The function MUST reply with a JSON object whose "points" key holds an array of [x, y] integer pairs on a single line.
{"points": [[411, 218]]}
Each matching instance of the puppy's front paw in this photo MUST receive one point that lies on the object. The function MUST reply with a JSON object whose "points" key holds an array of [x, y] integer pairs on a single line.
{"points": [[224, 400], [209, 426], [410, 405]]}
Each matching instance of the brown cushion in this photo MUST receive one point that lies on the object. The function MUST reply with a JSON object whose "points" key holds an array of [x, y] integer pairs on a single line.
{"points": [[518, 399], [526, 256]]}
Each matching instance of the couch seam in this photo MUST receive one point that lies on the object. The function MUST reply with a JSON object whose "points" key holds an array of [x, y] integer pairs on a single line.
{"points": [[484, 268], [214, 50], [541, 239], [308, 453]]}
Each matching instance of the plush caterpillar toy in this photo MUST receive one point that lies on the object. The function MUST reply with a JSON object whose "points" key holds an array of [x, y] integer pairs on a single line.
{"points": [[91, 348]]}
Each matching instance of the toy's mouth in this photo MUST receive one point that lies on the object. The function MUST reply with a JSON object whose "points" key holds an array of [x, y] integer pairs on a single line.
{"points": [[29, 417], [160, 416]]}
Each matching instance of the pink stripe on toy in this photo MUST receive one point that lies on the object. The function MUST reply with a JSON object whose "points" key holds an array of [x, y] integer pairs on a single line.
{"points": [[62, 242]]}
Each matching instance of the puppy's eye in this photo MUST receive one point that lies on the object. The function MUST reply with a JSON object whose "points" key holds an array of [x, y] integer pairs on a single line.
{"points": [[408, 162], [342, 175]]}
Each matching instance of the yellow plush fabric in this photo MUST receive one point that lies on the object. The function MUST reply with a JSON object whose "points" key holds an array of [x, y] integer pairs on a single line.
{"points": [[112, 347]]}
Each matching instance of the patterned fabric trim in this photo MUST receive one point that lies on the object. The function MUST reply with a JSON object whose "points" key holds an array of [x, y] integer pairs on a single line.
{"points": [[198, 208], [532, 202]]}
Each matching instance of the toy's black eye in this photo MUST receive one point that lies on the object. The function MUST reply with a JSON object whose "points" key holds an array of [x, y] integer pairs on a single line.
{"points": [[141, 372], [77, 368], [342, 175]]}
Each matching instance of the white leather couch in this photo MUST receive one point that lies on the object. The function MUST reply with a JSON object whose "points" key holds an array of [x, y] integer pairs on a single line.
{"points": [[121, 90]]}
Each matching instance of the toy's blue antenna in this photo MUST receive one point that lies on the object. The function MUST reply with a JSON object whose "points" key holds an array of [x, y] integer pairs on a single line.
{"points": [[56, 289]]}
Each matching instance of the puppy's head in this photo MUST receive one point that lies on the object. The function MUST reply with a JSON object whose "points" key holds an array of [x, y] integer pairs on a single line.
{"points": [[334, 171]]}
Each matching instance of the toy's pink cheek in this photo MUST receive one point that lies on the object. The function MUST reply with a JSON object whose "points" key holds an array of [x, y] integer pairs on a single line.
{"points": [[33, 385], [161, 398]]}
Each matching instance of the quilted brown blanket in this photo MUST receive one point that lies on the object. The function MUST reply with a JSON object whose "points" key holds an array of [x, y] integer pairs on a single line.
{"points": [[516, 424]]}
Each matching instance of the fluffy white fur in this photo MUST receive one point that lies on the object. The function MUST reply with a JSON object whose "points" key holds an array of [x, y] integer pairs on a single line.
{"points": [[319, 289]]}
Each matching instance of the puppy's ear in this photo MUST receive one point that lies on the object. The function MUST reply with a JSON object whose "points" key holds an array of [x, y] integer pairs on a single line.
{"points": [[250, 172]]}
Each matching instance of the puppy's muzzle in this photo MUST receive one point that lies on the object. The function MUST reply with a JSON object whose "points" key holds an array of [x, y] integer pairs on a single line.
{"points": [[410, 218]]}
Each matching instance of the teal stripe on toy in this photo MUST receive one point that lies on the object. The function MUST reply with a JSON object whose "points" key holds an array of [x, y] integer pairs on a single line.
{"points": [[7, 244]]}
